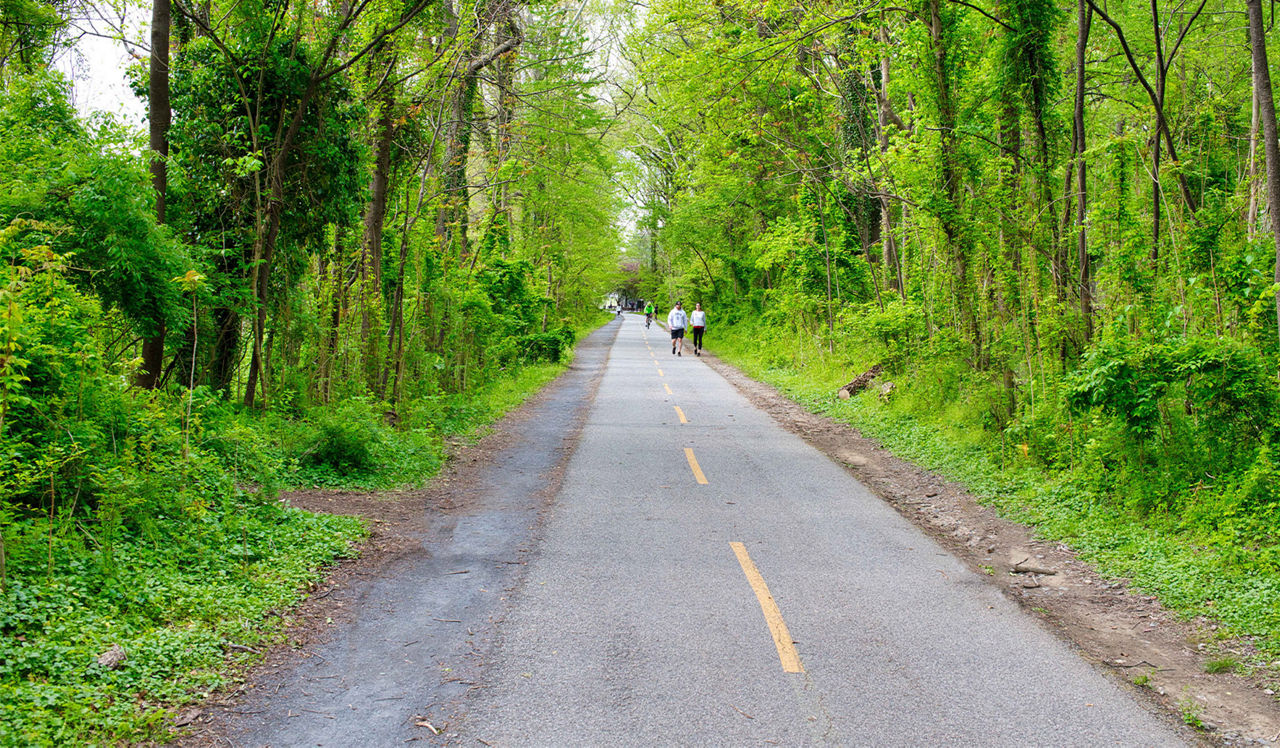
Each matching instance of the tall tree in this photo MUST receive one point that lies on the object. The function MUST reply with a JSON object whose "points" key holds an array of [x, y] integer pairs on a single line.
{"points": [[1267, 114], [159, 117], [1084, 19]]}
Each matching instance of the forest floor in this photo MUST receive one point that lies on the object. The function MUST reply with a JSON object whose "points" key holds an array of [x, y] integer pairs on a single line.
{"points": [[1128, 633]]}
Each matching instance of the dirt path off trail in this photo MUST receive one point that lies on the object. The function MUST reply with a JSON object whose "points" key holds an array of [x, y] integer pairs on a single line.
{"points": [[1130, 634]]}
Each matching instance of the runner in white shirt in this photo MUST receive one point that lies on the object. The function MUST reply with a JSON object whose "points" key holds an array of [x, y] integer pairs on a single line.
{"points": [[697, 323], [676, 322]]}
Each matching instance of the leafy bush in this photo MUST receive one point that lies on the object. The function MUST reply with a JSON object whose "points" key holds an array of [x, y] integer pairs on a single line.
{"points": [[347, 439], [1220, 380], [535, 348]]}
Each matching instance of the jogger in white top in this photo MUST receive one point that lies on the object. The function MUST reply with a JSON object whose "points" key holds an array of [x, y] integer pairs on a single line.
{"points": [[676, 322]]}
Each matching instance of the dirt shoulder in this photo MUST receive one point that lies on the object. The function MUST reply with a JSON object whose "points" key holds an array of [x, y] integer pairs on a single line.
{"points": [[1129, 634]]}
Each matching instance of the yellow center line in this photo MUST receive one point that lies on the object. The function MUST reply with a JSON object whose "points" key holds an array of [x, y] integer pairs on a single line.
{"points": [[660, 373], [680, 413], [777, 627], [667, 387], [693, 464]]}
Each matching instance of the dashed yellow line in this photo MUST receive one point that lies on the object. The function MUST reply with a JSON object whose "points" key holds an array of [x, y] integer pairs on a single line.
{"points": [[667, 387], [680, 413], [693, 465], [787, 653], [660, 373]]}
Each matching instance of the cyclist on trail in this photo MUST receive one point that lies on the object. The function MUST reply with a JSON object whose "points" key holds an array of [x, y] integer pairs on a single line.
{"points": [[648, 313]]}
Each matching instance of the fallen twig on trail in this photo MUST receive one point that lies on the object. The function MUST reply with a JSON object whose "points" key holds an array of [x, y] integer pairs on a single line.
{"points": [[1022, 567]]}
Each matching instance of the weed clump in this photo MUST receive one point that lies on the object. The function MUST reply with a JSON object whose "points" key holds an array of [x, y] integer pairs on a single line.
{"points": [[347, 439]]}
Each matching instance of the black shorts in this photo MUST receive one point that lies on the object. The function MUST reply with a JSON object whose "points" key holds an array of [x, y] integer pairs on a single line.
{"points": [[677, 332]]}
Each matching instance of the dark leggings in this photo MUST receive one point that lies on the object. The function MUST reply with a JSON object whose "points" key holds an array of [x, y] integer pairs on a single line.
{"points": [[697, 337]]}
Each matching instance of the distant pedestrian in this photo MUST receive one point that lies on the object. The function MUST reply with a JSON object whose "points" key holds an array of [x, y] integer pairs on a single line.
{"points": [[676, 322], [697, 323]]}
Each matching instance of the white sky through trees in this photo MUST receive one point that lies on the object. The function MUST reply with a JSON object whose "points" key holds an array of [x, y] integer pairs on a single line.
{"points": [[100, 54]]}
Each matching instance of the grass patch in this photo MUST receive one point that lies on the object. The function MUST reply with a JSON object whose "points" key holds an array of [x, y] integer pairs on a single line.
{"points": [[1222, 665]]}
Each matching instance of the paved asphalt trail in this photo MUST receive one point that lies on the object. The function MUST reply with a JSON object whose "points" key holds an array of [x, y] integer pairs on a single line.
{"points": [[779, 602], [636, 621]]}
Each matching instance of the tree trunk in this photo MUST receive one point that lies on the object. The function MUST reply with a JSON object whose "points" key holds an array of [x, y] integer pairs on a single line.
{"points": [[958, 246], [333, 270], [268, 231], [1160, 126], [159, 118], [892, 259], [451, 222], [395, 326], [226, 348], [504, 75], [1157, 99], [1010, 235], [159, 115], [1267, 113], [376, 211], [1084, 21], [1251, 216]]}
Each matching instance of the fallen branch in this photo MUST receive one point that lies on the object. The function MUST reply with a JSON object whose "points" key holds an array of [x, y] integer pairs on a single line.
{"points": [[860, 382], [1138, 664], [1022, 567]]}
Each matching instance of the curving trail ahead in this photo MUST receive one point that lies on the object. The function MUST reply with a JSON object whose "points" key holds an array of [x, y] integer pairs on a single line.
{"points": [[699, 577]]}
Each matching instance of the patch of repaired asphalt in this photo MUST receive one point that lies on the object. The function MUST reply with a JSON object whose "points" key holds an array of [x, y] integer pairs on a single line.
{"points": [[407, 643]]}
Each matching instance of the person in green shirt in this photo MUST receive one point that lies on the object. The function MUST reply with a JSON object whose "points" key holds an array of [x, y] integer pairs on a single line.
{"points": [[648, 313]]}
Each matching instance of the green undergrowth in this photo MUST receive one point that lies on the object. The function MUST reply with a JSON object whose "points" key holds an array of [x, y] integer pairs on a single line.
{"points": [[154, 528], [1198, 551], [173, 598]]}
